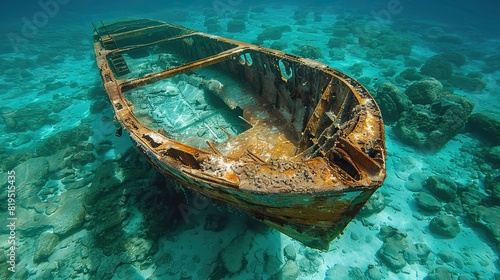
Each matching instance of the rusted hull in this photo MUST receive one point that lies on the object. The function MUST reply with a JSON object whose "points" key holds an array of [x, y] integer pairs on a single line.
{"points": [[312, 154]]}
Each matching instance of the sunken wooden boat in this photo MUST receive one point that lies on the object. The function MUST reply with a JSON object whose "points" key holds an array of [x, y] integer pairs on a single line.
{"points": [[294, 143]]}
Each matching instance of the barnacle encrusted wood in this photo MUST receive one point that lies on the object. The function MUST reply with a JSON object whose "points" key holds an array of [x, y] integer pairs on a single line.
{"points": [[296, 144]]}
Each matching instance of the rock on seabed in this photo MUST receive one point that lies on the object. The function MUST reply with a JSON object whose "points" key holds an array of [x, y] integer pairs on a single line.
{"points": [[446, 226], [233, 257]]}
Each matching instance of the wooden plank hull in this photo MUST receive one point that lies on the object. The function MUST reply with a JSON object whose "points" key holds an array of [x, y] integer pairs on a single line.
{"points": [[308, 150]]}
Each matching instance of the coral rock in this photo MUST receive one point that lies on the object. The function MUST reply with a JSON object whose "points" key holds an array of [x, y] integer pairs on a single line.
{"points": [[467, 83], [375, 204], [493, 155], [290, 271], [337, 43], [236, 25], [373, 273], [437, 67], [446, 256], [273, 33], [338, 271], [310, 51], [391, 253], [487, 218], [432, 127], [289, 252], [492, 182], [389, 46], [492, 63], [279, 45], [443, 188], [392, 102], [486, 124], [440, 273], [411, 74], [446, 226], [427, 202], [454, 57], [393, 250], [424, 91]]}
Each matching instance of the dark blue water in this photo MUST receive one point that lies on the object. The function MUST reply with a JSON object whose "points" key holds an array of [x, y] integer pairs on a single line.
{"points": [[88, 206]]}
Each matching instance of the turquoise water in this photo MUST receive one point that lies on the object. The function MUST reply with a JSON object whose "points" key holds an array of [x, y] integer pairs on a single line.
{"points": [[84, 204]]}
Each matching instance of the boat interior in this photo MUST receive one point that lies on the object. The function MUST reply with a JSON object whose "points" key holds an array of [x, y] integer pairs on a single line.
{"points": [[230, 97]]}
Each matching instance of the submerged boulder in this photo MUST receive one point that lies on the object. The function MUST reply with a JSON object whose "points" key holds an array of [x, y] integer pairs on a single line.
{"points": [[414, 181], [446, 226], [273, 33], [487, 218], [456, 58], [289, 252], [398, 250], [236, 25], [392, 101], [492, 181], [277, 45], [393, 250], [444, 188], [446, 256], [423, 251], [424, 91], [392, 255], [437, 67], [311, 263], [395, 45], [470, 82], [338, 271], [335, 42], [486, 124], [440, 273], [470, 197], [411, 74], [491, 63], [439, 35], [309, 51], [356, 69], [427, 202], [431, 127], [373, 273], [389, 46], [375, 204], [290, 271]]}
